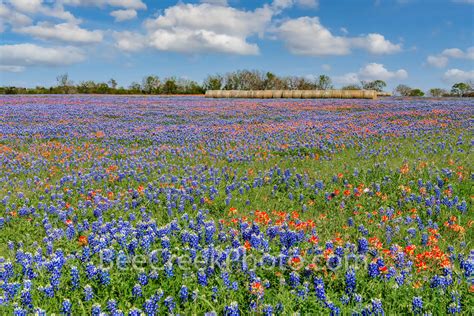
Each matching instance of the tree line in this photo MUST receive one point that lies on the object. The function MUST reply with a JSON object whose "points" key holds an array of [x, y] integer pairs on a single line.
{"points": [[236, 80]]}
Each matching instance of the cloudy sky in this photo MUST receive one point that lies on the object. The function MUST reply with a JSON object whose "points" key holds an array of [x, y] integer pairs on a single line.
{"points": [[422, 43]]}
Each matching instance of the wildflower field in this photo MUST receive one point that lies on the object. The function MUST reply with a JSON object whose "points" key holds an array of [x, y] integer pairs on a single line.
{"points": [[184, 205]]}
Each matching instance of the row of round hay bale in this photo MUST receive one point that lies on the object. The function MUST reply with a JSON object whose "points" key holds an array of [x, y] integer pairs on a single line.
{"points": [[286, 94], [369, 94], [210, 93], [295, 94], [267, 94], [276, 94]]}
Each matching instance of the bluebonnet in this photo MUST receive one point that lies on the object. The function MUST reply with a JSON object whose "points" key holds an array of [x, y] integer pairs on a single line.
{"points": [[169, 302], [88, 293], [96, 310], [183, 293], [417, 305], [350, 281], [362, 246], [75, 277], [137, 290], [66, 307], [232, 309], [111, 305]]}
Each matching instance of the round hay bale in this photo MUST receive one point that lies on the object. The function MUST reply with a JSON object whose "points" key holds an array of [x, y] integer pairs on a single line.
{"points": [[225, 94], [217, 94], [369, 94], [326, 94], [210, 93], [235, 93], [357, 94], [316, 94], [259, 94], [267, 94], [242, 94], [287, 94], [296, 94], [276, 94], [347, 94], [306, 94], [337, 94]]}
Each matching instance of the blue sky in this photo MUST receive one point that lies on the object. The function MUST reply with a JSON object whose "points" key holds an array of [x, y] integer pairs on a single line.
{"points": [[422, 43]]}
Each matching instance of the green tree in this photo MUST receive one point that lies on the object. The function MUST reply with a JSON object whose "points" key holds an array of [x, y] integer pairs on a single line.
{"points": [[170, 86], [324, 82], [112, 83], [134, 88], [402, 90], [437, 92], [213, 82], [151, 84], [64, 82], [376, 85], [416, 93], [460, 88], [352, 87]]}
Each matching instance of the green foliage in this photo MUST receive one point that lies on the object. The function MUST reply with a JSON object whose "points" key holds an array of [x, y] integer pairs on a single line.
{"points": [[460, 88], [402, 90], [416, 93], [376, 85], [437, 92], [352, 87]]}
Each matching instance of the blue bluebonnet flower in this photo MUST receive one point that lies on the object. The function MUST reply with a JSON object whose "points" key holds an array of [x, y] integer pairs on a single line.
{"points": [[417, 305], [362, 246], [350, 281], [96, 310], [232, 309], [202, 277], [111, 305], [183, 293], [26, 299], [66, 307], [150, 307], [267, 310], [88, 293], [75, 277], [104, 277], [142, 278], [137, 290], [169, 302], [377, 308]]}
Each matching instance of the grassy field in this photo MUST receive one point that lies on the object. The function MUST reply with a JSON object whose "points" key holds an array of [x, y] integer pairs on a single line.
{"points": [[186, 205]]}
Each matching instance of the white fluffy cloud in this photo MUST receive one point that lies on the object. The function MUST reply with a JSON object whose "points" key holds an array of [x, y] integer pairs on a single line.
{"points": [[371, 71], [216, 2], [375, 71], [6, 68], [130, 41], [458, 75], [284, 4], [123, 15], [307, 36], [66, 32], [194, 28], [38, 7], [376, 44], [127, 4], [441, 60], [11, 17], [16, 57]]}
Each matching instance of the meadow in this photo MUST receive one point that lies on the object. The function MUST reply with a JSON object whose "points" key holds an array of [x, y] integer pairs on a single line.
{"points": [[132, 205]]}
